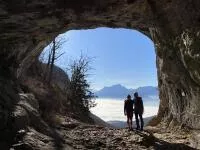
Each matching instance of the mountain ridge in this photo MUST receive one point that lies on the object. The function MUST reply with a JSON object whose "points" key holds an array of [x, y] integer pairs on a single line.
{"points": [[120, 91]]}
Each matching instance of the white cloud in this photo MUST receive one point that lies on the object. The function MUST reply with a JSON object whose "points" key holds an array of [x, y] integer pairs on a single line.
{"points": [[108, 110]]}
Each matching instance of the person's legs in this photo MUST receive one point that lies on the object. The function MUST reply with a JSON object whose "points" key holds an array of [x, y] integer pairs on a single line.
{"points": [[131, 121], [137, 121], [128, 121], [142, 122]]}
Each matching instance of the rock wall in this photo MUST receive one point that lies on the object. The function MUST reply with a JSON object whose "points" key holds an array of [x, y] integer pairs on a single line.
{"points": [[26, 27], [178, 73]]}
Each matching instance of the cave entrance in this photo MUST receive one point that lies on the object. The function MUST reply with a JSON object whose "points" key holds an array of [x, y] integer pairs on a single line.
{"points": [[123, 61]]}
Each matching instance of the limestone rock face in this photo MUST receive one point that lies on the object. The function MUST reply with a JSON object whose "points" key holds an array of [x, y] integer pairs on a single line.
{"points": [[178, 75], [26, 27], [27, 113]]}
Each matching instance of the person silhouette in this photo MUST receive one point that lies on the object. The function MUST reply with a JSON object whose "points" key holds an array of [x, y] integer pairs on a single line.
{"points": [[138, 110], [128, 111]]}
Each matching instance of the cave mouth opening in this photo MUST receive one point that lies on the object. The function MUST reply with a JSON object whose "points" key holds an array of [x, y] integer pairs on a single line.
{"points": [[123, 61]]}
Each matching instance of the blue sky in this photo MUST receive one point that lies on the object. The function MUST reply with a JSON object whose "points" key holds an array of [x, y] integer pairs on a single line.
{"points": [[120, 56]]}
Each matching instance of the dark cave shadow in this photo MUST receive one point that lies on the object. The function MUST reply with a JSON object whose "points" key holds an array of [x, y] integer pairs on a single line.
{"points": [[161, 144], [8, 99], [58, 140]]}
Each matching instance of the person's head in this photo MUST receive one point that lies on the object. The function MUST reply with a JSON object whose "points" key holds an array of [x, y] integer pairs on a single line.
{"points": [[129, 97], [136, 94]]}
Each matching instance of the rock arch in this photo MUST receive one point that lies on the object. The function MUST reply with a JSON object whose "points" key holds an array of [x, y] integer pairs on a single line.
{"points": [[28, 26]]}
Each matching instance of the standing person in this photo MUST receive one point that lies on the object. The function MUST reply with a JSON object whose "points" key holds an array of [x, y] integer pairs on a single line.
{"points": [[128, 111], [139, 109]]}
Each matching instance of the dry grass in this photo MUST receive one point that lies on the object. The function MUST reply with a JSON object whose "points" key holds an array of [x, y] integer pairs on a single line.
{"points": [[54, 119]]}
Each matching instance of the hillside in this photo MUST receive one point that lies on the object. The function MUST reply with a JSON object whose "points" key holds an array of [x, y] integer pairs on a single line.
{"points": [[59, 76]]}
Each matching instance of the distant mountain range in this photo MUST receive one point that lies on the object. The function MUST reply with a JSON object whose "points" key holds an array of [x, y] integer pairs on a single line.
{"points": [[123, 124], [119, 91]]}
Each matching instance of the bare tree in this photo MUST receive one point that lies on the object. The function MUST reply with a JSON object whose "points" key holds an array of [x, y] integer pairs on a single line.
{"points": [[52, 57], [52, 60]]}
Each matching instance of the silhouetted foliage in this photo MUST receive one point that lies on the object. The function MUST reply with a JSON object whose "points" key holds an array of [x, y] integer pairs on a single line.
{"points": [[80, 93]]}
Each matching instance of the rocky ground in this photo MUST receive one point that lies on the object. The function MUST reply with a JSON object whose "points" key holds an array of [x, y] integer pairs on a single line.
{"points": [[33, 133], [71, 134]]}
